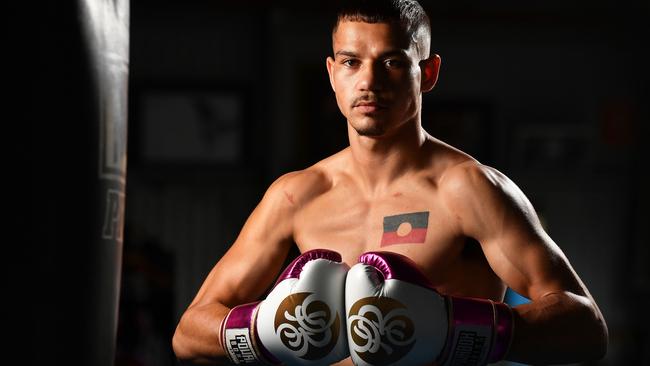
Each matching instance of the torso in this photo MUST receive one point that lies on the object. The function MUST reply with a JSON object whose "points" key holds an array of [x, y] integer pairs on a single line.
{"points": [[342, 219]]}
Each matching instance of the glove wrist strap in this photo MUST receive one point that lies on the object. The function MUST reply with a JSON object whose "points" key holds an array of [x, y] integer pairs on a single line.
{"points": [[239, 337], [503, 329], [480, 331]]}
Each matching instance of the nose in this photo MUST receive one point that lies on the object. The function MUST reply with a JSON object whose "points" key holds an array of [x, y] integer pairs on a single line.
{"points": [[371, 77]]}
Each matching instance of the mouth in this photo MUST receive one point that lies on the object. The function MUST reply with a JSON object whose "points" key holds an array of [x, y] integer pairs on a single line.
{"points": [[368, 106]]}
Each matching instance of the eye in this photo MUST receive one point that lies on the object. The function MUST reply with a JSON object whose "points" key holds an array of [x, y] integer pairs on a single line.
{"points": [[393, 63], [350, 62]]}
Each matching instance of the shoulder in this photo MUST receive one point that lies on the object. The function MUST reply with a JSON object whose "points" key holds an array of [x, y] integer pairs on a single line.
{"points": [[481, 197], [296, 188], [273, 216], [469, 175], [471, 183]]}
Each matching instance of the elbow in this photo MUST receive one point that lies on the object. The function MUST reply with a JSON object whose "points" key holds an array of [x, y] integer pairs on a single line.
{"points": [[179, 347], [182, 347], [590, 337], [184, 354], [598, 336], [601, 339], [191, 351]]}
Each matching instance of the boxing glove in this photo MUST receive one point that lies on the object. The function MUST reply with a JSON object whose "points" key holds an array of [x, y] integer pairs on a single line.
{"points": [[301, 321], [395, 316]]}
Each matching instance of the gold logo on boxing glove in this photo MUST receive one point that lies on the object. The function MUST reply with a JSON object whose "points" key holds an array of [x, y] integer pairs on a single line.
{"points": [[380, 330], [307, 326]]}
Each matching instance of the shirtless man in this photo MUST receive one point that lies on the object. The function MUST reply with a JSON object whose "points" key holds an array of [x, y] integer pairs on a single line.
{"points": [[396, 188]]}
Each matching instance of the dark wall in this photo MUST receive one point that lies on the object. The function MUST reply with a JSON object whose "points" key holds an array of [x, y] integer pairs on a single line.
{"points": [[554, 94]]}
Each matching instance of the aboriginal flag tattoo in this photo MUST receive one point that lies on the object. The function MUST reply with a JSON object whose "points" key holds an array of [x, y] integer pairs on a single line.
{"points": [[405, 228]]}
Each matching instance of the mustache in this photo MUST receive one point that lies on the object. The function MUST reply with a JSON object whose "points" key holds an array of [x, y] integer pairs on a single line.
{"points": [[369, 98]]}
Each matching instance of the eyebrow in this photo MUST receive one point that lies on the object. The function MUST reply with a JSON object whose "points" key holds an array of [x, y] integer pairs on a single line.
{"points": [[398, 52]]}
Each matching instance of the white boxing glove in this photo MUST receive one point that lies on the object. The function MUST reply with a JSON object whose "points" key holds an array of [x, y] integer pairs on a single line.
{"points": [[396, 317], [301, 321]]}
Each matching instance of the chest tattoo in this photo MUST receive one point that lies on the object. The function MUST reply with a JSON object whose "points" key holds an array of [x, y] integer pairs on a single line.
{"points": [[405, 228]]}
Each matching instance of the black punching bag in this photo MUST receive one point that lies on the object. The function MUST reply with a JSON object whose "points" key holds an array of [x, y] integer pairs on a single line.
{"points": [[70, 71]]}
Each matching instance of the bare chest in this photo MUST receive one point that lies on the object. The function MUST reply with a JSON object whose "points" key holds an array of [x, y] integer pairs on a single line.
{"points": [[414, 225], [417, 225]]}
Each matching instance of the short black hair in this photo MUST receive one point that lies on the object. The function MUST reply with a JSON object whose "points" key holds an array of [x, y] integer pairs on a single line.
{"points": [[408, 14]]}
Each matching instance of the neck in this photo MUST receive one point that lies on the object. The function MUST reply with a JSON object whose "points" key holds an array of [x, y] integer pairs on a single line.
{"points": [[379, 161]]}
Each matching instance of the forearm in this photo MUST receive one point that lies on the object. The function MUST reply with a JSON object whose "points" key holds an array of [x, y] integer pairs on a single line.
{"points": [[558, 328], [196, 340]]}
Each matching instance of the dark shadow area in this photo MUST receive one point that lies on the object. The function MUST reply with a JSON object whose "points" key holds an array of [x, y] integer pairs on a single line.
{"points": [[146, 317]]}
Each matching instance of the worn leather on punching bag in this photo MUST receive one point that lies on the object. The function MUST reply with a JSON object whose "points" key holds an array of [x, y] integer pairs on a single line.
{"points": [[73, 61]]}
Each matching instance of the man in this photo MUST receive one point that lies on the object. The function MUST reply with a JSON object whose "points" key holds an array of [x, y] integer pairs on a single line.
{"points": [[397, 189]]}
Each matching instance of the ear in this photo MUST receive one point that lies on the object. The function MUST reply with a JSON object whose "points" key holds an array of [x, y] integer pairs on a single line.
{"points": [[430, 69], [330, 71]]}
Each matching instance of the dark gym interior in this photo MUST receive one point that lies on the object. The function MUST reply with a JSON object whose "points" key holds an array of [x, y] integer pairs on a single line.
{"points": [[220, 98]]}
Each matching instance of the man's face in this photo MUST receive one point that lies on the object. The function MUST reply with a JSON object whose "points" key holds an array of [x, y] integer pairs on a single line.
{"points": [[375, 76]]}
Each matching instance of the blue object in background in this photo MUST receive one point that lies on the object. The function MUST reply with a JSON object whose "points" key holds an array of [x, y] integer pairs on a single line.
{"points": [[512, 298]]}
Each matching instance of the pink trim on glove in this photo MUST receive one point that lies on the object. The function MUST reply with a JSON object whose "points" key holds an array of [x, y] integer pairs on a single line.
{"points": [[241, 316], [396, 266], [503, 332], [480, 330], [295, 267], [474, 311], [244, 317]]}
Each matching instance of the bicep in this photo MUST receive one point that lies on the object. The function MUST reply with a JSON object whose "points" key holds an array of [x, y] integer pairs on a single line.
{"points": [[496, 212], [529, 262], [253, 261]]}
